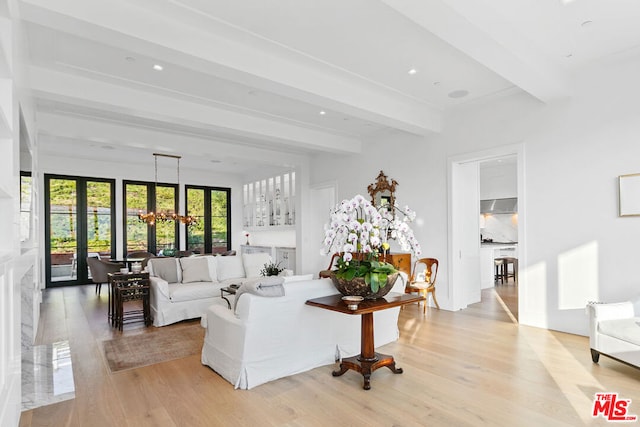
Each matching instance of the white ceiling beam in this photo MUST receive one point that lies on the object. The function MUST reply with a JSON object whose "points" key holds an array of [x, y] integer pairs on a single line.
{"points": [[66, 87], [173, 33], [476, 29], [127, 139]]}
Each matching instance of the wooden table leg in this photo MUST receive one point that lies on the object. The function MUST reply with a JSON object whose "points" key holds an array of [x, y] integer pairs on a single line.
{"points": [[369, 360]]}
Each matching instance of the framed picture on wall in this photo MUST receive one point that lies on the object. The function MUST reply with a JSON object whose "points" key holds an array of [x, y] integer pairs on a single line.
{"points": [[629, 195]]}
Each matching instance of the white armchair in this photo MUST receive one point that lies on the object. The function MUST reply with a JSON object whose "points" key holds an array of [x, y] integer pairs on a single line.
{"points": [[614, 331]]}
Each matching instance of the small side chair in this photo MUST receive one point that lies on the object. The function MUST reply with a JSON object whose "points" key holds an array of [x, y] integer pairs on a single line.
{"points": [[141, 254], [424, 281], [100, 270]]}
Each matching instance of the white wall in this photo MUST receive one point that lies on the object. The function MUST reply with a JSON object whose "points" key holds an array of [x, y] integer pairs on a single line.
{"points": [[577, 248], [419, 166]]}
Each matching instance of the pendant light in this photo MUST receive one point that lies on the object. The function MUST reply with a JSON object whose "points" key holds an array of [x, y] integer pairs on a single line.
{"points": [[152, 217]]}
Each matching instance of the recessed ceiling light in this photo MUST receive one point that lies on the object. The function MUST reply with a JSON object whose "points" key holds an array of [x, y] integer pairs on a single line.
{"points": [[108, 147], [458, 93], [568, 55], [215, 161], [586, 23], [130, 58], [412, 71], [322, 113], [436, 83], [158, 67]]}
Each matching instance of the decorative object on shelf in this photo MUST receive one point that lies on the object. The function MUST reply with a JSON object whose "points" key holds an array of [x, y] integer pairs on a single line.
{"points": [[271, 269], [359, 231], [270, 202], [152, 217], [246, 234]]}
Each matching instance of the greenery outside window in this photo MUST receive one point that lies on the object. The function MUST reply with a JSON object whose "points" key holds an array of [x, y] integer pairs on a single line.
{"points": [[149, 197], [211, 206], [79, 223], [25, 205]]}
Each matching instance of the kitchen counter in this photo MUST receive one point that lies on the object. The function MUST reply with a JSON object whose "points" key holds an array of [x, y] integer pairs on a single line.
{"points": [[495, 244]]}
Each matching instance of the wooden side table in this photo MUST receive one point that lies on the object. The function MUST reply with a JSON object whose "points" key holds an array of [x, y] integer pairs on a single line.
{"points": [[124, 287], [229, 290], [368, 360]]}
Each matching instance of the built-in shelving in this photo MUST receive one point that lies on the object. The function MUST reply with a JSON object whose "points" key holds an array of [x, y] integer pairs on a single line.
{"points": [[270, 203]]}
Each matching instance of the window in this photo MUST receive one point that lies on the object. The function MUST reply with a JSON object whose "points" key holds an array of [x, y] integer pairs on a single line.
{"points": [[212, 208], [25, 205], [136, 232], [147, 197], [166, 232]]}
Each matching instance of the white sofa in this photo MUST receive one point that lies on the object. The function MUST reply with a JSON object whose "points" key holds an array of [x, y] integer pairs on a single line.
{"points": [[182, 288], [267, 338], [614, 331]]}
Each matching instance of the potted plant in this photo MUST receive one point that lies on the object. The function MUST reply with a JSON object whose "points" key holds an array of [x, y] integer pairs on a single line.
{"points": [[360, 231], [271, 269]]}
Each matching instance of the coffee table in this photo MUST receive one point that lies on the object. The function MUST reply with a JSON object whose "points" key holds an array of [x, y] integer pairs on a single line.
{"points": [[369, 360]]}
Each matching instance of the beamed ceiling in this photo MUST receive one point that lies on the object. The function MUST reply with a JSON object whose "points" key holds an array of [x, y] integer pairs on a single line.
{"points": [[247, 84]]}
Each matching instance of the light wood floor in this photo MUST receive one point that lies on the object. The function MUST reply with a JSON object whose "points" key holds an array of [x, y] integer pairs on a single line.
{"points": [[468, 368]]}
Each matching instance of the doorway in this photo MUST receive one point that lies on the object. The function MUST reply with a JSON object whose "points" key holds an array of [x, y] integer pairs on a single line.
{"points": [[499, 231], [79, 223], [467, 260]]}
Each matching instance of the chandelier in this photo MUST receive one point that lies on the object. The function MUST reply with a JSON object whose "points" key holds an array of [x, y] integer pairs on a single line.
{"points": [[152, 218]]}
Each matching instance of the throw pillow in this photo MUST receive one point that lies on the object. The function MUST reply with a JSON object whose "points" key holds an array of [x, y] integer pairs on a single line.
{"points": [[255, 262], [165, 268], [194, 270], [229, 267]]}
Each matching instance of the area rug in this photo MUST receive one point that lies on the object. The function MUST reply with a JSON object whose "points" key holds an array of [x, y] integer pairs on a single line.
{"points": [[161, 345]]}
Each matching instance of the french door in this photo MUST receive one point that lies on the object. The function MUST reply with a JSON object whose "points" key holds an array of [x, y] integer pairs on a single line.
{"points": [[79, 223], [149, 197], [211, 206]]}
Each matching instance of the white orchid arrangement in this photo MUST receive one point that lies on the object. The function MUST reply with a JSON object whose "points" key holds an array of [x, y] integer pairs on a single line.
{"points": [[358, 227]]}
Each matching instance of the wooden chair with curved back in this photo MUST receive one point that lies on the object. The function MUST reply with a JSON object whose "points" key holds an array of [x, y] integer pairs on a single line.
{"points": [[141, 254], [424, 283]]}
